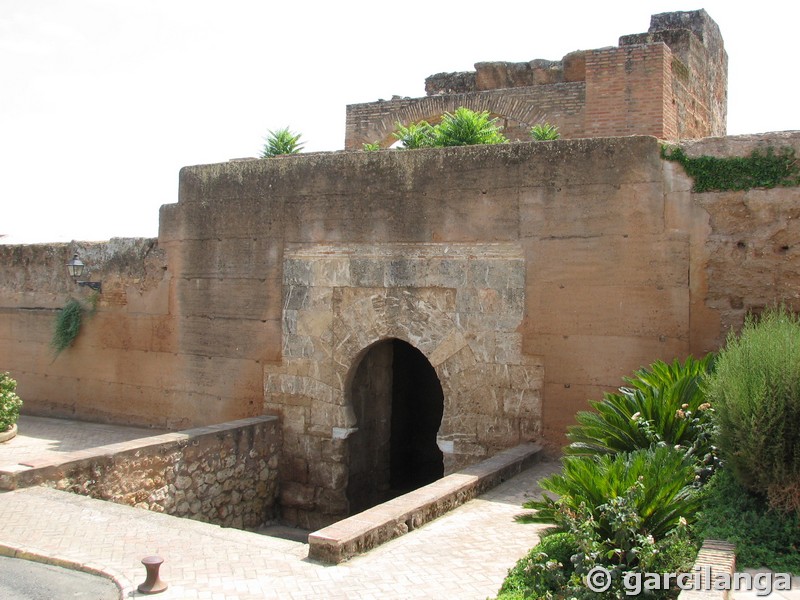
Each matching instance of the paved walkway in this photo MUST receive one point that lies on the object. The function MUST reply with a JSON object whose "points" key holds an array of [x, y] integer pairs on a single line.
{"points": [[765, 582], [42, 437], [463, 555]]}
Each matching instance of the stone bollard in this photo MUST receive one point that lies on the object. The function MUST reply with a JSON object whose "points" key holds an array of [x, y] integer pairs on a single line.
{"points": [[153, 583]]}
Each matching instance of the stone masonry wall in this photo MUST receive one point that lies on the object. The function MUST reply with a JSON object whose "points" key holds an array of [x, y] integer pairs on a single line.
{"points": [[461, 305], [225, 474], [604, 283], [746, 248]]}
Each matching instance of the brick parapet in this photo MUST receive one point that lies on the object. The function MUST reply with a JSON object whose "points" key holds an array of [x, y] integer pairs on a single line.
{"points": [[518, 109]]}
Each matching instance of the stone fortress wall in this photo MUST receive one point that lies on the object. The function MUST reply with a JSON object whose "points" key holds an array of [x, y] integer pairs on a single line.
{"points": [[530, 277]]}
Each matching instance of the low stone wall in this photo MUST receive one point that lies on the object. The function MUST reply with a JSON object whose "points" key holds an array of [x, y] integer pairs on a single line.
{"points": [[225, 474], [377, 525]]}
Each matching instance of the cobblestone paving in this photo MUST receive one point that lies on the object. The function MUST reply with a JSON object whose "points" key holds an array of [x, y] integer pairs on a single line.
{"points": [[462, 555]]}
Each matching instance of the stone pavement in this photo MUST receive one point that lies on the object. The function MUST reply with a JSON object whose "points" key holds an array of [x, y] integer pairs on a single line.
{"points": [[464, 554], [762, 581], [43, 437]]}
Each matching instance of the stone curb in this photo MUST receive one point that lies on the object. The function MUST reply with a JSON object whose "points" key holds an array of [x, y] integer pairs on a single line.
{"points": [[8, 434], [371, 528], [125, 587]]}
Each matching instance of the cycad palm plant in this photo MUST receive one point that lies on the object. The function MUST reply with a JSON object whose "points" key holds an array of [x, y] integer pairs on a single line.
{"points": [[282, 141], [465, 127], [543, 132], [415, 135], [663, 405], [655, 483]]}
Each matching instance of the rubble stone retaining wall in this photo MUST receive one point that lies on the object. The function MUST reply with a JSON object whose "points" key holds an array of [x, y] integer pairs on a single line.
{"points": [[225, 474]]}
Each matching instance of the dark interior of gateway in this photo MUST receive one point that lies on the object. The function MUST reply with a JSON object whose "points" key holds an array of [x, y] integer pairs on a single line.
{"points": [[398, 403]]}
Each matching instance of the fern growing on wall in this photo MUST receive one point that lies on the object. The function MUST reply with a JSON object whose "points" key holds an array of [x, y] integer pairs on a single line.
{"points": [[67, 325]]}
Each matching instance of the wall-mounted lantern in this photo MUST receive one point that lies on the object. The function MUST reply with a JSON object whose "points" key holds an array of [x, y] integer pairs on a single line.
{"points": [[77, 269]]}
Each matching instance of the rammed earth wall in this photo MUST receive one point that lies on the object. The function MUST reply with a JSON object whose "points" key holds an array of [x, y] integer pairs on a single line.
{"points": [[532, 277]]}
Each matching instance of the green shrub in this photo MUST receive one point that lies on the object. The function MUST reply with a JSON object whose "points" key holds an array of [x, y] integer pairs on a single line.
{"points": [[67, 325], [541, 575], [628, 494], [628, 512], [10, 403], [543, 132], [674, 553], [663, 405], [546, 568], [756, 388], [763, 536], [464, 127], [415, 135], [370, 146], [280, 142], [654, 484]]}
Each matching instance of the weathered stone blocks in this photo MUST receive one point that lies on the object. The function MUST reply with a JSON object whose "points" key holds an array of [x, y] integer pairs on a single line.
{"points": [[460, 304], [225, 474]]}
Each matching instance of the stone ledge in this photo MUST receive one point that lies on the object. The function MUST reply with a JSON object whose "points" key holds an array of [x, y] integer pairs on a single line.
{"points": [[375, 526], [715, 557], [226, 474], [36, 471]]}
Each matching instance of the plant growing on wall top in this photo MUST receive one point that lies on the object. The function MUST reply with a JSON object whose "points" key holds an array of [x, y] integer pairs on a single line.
{"points": [[543, 132], [416, 135], [464, 127], [282, 141], [758, 170]]}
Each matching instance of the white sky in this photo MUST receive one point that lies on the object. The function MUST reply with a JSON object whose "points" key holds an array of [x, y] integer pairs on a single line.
{"points": [[103, 101]]}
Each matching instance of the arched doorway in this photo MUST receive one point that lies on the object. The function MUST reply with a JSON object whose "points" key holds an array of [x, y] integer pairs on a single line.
{"points": [[398, 404]]}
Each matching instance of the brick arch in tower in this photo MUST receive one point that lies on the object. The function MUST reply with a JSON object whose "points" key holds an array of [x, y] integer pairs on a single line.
{"points": [[515, 115]]}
